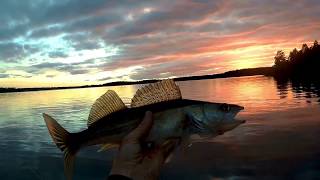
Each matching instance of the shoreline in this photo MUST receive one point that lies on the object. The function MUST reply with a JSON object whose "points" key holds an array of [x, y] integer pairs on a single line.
{"points": [[265, 71]]}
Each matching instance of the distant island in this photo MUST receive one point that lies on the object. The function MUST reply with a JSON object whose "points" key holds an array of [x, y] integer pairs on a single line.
{"points": [[303, 65]]}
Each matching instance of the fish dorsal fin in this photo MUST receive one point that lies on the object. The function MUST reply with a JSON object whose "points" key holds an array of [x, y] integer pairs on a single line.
{"points": [[106, 104], [164, 90]]}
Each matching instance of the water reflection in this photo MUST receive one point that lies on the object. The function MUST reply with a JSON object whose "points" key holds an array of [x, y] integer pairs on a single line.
{"points": [[309, 91], [279, 140]]}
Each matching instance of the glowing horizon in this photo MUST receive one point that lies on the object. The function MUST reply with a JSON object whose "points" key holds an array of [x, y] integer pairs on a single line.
{"points": [[46, 44]]}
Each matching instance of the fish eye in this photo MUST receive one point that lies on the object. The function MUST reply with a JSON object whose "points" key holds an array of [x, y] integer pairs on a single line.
{"points": [[225, 108]]}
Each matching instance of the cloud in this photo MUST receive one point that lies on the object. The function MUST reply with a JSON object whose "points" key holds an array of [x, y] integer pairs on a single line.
{"points": [[71, 68], [172, 16], [50, 76], [166, 38], [4, 75], [106, 78], [10, 52], [22, 17], [79, 71], [57, 54], [84, 41], [48, 65], [7, 75]]}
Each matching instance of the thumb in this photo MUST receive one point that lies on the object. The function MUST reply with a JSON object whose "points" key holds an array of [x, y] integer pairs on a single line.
{"points": [[143, 128]]}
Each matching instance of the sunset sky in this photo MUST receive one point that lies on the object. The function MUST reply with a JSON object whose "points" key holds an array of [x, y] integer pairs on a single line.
{"points": [[73, 42]]}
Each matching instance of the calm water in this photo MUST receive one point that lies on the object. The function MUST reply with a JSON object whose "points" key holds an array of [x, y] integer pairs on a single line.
{"points": [[280, 139]]}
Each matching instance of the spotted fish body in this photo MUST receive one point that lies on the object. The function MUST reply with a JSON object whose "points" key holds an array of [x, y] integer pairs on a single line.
{"points": [[110, 120]]}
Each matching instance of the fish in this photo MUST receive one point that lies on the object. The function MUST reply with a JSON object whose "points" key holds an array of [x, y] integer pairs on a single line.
{"points": [[110, 120]]}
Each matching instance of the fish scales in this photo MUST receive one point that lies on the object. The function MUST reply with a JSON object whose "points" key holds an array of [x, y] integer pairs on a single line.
{"points": [[120, 123], [110, 120]]}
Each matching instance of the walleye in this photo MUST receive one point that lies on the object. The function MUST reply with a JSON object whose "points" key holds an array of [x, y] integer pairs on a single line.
{"points": [[110, 120]]}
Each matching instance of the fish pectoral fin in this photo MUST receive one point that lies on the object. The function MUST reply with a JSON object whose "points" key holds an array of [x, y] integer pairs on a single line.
{"points": [[105, 147]]}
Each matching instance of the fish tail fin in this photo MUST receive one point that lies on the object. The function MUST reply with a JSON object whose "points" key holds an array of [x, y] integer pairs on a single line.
{"points": [[65, 141]]}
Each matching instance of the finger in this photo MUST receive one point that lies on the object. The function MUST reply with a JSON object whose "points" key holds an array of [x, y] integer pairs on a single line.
{"points": [[166, 149], [143, 129]]}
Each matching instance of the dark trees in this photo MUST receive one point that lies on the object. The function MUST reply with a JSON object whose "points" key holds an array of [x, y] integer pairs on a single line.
{"points": [[304, 63], [280, 58]]}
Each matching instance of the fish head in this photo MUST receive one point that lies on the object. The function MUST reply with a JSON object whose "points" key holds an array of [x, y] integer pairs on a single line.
{"points": [[212, 119], [220, 112]]}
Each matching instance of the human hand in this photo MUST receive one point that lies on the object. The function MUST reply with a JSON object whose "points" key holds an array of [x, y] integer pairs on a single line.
{"points": [[136, 161]]}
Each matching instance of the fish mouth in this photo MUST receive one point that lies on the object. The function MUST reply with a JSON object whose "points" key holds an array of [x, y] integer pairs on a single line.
{"points": [[238, 109], [239, 121], [231, 117], [224, 127], [231, 122], [213, 127]]}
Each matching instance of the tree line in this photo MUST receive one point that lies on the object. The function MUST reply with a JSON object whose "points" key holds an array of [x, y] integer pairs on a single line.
{"points": [[300, 64]]}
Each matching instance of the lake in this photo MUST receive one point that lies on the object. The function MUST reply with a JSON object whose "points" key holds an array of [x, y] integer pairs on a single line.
{"points": [[280, 139]]}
